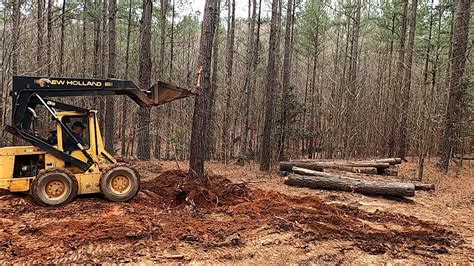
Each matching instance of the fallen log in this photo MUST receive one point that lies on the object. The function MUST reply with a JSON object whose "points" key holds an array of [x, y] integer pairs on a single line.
{"points": [[424, 186], [349, 169], [343, 165], [288, 166], [327, 181], [390, 172], [391, 161]]}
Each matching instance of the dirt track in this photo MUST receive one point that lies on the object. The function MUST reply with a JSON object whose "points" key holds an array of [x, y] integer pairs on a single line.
{"points": [[174, 219]]}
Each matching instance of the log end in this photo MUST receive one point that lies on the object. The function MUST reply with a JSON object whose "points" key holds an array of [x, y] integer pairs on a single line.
{"points": [[286, 167]]}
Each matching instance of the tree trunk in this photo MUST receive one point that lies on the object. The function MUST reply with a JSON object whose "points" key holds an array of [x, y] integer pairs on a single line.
{"points": [[61, 42], [286, 80], [144, 77], [266, 142], [399, 78], [200, 127], [352, 100], [163, 12], [84, 38], [248, 78], [407, 84], [49, 17], [15, 35], [125, 105], [335, 182], [97, 44], [228, 78], [458, 55], [39, 34], [110, 101], [214, 86], [172, 41]]}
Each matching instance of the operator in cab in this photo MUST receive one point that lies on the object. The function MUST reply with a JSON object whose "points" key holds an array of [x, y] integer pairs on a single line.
{"points": [[77, 131]]}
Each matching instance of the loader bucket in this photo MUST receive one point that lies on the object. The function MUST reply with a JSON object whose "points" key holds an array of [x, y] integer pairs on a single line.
{"points": [[163, 92]]}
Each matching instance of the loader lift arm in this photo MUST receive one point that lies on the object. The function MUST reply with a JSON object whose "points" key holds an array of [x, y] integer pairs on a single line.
{"points": [[29, 92]]}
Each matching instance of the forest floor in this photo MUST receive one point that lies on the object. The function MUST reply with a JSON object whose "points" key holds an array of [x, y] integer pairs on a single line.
{"points": [[245, 216]]}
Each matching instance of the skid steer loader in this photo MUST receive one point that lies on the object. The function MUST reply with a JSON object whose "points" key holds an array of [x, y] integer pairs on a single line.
{"points": [[52, 173]]}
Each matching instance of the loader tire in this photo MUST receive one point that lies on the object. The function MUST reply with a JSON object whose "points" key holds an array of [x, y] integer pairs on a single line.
{"points": [[54, 187], [119, 183]]}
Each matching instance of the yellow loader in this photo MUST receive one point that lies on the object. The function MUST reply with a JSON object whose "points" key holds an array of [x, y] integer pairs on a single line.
{"points": [[60, 163]]}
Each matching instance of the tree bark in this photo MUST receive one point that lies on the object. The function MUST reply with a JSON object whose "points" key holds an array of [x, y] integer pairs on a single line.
{"points": [[214, 86], [144, 77], [266, 142], [407, 84], [97, 44], [84, 38], [391, 161], [398, 78], [61, 42], [15, 35], [352, 95], [458, 55], [228, 78], [125, 106], [39, 34], [350, 169], [200, 127], [49, 18], [285, 166], [110, 102], [286, 80], [424, 186], [248, 78], [335, 182]]}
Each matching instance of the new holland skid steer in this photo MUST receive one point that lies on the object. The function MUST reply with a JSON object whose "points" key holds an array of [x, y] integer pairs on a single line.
{"points": [[52, 173]]}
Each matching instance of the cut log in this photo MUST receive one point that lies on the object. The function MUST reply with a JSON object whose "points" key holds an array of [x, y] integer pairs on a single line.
{"points": [[390, 172], [319, 166], [357, 170], [391, 161], [335, 182], [288, 166], [424, 186]]}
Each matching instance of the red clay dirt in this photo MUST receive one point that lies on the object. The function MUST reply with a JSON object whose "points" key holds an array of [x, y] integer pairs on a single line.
{"points": [[177, 218]]}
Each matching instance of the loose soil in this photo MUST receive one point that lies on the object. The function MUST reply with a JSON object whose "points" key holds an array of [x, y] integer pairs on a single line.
{"points": [[240, 215]]}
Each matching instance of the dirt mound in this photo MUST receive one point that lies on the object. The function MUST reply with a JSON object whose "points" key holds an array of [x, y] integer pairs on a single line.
{"points": [[174, 210], [174, 189]]}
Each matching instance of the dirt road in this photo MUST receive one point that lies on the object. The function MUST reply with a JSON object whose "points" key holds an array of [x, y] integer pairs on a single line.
{"points": [[243, 216]]}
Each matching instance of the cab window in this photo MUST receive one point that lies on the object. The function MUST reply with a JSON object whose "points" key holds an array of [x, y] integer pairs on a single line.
{"points": [[79, 125]]}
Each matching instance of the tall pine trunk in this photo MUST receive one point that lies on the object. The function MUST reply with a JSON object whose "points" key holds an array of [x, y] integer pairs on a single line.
{"points": [[458, 61], [125, 105], [398, 78], [144, 77], [266, 141], [407, 84], [110, 102], [286, 80], [228, 79], [39, 34], [61, 42], [200, 127]]}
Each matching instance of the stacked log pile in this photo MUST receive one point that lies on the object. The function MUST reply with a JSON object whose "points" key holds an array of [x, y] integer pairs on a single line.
{"points": [[377, 167], [351, 176]]}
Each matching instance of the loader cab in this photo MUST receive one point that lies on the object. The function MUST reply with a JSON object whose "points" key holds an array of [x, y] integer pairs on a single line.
{"points": [[91, 136]]}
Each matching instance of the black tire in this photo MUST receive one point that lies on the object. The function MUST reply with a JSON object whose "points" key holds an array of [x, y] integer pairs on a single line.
{"points": [[54, 187], [119, 183]]}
